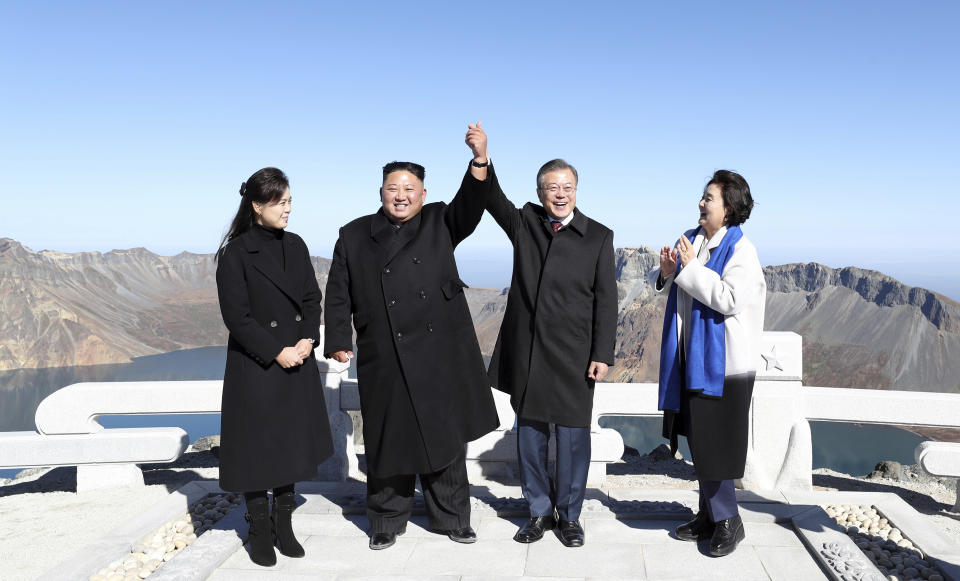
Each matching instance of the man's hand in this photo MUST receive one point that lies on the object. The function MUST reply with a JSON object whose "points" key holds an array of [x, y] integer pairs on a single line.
{"points": [[289, 357], [342, 356], [597, 370], [476, 140], [304, 347]]}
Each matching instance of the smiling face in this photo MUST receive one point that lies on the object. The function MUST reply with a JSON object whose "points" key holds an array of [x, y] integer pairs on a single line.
{"points": [[402, 195], [558, 193], [713, 212], [274, 214]]}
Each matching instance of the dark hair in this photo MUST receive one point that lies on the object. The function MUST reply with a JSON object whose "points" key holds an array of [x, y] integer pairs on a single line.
{"points": [[414, 168], [554, 165], [736, 195], [263, 187]]}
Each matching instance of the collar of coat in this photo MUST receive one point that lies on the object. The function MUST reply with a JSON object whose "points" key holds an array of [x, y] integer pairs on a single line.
{"points": [[578, 224], [266, 264], [391, 238]]}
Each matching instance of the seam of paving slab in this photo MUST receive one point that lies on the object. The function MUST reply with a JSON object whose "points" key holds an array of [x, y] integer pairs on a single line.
{"points": [[827, 543]]}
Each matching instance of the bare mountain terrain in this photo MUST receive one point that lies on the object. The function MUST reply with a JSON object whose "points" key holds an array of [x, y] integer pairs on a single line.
{"points": [[860, 328]]}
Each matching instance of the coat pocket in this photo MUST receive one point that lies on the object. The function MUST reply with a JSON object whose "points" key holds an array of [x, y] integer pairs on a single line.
{"points": [[453, 287]]}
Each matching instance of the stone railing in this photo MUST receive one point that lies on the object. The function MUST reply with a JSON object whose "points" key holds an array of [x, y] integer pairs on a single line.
{"points": [[779, 456]]}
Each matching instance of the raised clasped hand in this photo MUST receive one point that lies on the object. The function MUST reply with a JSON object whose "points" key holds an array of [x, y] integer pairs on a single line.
{"points": [[476, 140], [289, 357]]}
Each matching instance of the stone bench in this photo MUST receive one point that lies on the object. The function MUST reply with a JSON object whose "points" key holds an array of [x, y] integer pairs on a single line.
{"points": [[940, 459], [103, 459]]}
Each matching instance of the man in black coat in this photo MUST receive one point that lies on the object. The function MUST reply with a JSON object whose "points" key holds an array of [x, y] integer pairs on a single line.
{"points": [[423, 390], [556, 340]]}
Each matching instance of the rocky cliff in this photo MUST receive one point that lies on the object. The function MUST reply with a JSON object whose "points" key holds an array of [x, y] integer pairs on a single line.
{"points": [[860, 328]]}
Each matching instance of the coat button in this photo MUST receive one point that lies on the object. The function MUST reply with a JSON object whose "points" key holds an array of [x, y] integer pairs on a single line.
{"points": [[298, 318], [430, 327], [273, 323], [416, 260], [423, 294], [392, 302], [399, 336], [386, 270]]}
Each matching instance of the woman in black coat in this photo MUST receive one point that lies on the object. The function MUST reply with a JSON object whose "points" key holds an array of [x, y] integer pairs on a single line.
{"points": [[274, 426]]}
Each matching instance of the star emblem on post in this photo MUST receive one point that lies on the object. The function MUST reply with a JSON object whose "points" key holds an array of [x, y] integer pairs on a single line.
{"points": [[773, 362]]}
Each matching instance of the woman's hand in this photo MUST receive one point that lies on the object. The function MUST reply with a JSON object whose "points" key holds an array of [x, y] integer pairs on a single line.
{"points": [[685, 251], [668, 261], [304, 347], [289, 357]]}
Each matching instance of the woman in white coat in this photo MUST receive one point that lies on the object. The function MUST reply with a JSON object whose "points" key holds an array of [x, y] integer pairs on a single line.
{"points": [[711, 335]]}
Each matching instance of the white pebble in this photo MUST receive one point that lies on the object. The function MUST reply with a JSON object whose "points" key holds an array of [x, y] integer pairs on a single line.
{"points": [[180, 543], [169, 556]]}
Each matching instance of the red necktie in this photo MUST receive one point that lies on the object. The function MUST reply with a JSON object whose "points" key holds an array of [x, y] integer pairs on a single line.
{"points": [[556, 226]]}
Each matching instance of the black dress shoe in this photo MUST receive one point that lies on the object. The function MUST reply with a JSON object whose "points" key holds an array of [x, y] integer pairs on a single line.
{"points": [[727, 534], [696, 530], [380, 541], [571, 533], [534, 529], [464, 535]]}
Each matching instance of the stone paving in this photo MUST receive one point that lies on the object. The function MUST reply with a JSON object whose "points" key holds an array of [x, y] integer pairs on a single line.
{"points": [[789, 537], [631, 541]]}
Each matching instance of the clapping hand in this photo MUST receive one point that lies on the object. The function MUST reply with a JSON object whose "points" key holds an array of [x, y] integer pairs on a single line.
{"points": [[685, 251], [668, 260]]}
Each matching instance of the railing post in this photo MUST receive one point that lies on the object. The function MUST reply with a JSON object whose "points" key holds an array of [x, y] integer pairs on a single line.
{"points": [[344, 460], [779, 449]]}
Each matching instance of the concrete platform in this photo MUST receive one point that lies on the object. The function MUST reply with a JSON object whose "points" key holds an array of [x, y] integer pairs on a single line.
{"points": [[628, 536]]}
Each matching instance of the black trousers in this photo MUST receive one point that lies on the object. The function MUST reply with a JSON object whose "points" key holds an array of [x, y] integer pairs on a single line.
{"points": [[446, 496]]}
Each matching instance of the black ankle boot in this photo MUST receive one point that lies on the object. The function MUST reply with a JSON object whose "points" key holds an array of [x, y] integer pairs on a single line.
{"points": [[282, 516], [261, 535]]}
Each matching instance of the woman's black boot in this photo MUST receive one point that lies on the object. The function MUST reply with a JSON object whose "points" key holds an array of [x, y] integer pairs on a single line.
{"points": [[261, 533], [283, 506]]}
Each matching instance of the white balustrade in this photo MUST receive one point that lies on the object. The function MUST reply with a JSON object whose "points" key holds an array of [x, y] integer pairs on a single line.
{"points": [[779, 454]]}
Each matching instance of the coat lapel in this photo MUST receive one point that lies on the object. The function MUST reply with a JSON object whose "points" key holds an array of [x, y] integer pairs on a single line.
{"points": [[390, 238], [269, 267]]}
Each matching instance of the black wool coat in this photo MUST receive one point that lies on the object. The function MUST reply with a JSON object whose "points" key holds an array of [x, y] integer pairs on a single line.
{"points": [[274, 425], [561, 312], [423, 390]]}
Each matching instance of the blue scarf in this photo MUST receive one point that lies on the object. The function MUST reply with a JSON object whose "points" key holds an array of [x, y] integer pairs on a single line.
{"points": [[706, 357]]}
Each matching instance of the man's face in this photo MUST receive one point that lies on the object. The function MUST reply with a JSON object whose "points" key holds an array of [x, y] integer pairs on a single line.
{"points": [[558, 193], [402, 195]]}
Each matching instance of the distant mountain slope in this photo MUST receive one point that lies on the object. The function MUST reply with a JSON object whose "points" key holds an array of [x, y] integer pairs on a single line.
{"points": [[59, 309], [860, 328]]}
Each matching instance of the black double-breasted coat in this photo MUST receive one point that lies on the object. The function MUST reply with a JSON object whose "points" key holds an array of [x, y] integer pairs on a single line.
{"points": [[423, 390], [561, 312], [274, 425]]}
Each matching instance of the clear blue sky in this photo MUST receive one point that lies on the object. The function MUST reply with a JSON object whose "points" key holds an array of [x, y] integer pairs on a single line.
{"points": [[129, 124]]}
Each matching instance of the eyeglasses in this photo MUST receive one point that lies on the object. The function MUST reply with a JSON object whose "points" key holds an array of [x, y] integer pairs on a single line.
{"points": [[555, 188]]}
